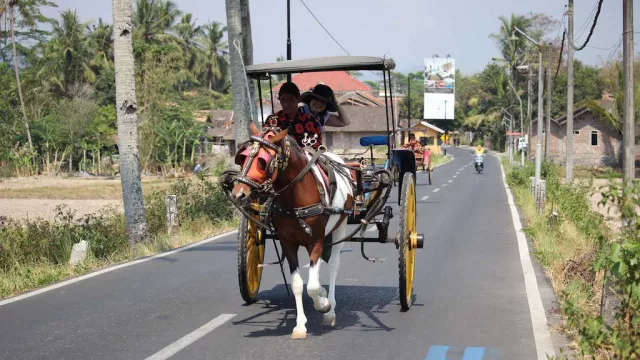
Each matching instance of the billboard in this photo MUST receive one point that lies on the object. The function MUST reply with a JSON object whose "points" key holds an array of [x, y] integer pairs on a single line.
{"points": [[439, 88]]}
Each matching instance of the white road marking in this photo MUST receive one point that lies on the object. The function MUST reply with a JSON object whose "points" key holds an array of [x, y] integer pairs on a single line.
{"points": [[436, 190], [189, 339], [450, 180], [372, 228], [109, 269], [444, 185], [455, 176], [425, 198], [541, 334]]}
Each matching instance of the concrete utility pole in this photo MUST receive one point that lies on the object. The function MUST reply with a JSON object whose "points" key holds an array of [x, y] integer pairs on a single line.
{"points": [[540, 119], [239, 32], [529, 109], [569, 161], [547, 135], [628, 97], [540, 107]]}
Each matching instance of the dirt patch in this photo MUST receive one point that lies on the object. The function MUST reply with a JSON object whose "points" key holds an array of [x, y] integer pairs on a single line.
{"points": [[580, 267], [34, 197], [45, 208]]}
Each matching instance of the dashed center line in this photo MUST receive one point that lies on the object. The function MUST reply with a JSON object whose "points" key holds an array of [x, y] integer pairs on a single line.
{"points": [[191, 338], [450, 180], [436, 190], [455, 176], [445, 184], [425, 198]]}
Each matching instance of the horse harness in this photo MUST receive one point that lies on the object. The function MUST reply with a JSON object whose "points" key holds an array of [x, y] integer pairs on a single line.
{"points": [[275, 165]]}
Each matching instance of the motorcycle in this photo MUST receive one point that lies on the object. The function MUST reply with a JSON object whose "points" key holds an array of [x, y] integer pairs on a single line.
{"points": [[479, 161]]}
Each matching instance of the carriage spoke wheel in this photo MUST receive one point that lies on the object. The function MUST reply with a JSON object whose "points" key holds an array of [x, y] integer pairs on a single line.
{"points": [[407, 240], [250, 256], [430, 171]]}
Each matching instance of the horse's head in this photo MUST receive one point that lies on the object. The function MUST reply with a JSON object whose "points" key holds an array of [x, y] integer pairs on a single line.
{"points": [[262, 158]]}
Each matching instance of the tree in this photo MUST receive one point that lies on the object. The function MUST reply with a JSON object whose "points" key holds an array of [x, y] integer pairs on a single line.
{"points": [[215, 50], [514, 52], [188, 34], [375, 85], [240, 32], [128, 122], [30, 16], [68, 55]]}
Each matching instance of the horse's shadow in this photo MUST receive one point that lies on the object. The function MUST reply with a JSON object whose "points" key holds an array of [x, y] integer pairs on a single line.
{"points": [[349, 311]]}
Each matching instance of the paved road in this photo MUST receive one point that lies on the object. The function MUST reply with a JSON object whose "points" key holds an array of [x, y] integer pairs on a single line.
{"points": [[470, 296]]}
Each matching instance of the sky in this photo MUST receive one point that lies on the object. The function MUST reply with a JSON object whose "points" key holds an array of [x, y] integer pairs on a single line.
{"points": [[406, 30]]}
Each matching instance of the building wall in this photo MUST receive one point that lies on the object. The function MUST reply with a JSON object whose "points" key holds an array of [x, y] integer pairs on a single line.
{"points": [[605, 153], [342, 140]]}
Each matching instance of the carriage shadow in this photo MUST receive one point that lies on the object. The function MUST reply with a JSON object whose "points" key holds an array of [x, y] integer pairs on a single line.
{"points": [[277, 315]]}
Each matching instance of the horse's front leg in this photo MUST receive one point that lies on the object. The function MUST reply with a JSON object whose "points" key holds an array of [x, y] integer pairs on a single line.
{"points": [[334, 264], [297, 285], [317, 293]]}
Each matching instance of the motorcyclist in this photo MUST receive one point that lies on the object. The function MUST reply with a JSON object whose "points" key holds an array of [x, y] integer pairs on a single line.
{"points": [[479, 150]]}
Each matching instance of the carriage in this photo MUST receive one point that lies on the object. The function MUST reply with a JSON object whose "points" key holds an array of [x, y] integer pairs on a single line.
{"points": [[371, 187]]}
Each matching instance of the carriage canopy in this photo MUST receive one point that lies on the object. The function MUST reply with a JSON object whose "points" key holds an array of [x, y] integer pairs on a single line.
{"points": [[333, 63]]}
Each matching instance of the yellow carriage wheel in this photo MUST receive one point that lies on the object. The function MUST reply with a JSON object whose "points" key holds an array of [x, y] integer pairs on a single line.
{"points": [[407, 240], [250, 256]]}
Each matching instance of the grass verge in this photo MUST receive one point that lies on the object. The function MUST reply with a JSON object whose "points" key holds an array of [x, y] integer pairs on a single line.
{"points": [[35, 253], [568, 245]]}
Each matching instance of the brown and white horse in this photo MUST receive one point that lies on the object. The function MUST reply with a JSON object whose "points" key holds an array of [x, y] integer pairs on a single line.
{"points": [[279, 164]]}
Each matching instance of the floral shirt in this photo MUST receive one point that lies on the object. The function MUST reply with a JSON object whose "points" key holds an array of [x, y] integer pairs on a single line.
{"points": [[302, 123], [414, 145]]}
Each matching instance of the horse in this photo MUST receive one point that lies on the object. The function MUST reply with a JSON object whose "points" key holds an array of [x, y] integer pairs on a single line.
{"points": [[276, 162]]}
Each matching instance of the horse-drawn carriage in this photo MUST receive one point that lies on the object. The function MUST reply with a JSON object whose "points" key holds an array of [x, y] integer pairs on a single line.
{"points": [[306, 197]]}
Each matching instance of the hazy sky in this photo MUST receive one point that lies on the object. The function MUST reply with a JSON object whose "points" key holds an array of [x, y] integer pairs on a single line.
{"points": [[406, 30]]}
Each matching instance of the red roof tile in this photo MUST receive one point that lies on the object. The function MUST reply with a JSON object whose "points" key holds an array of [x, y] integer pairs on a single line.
{"points": [[336, 80]]}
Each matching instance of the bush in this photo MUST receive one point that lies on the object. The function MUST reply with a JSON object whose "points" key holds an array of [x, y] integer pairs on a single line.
{"points": [[39, 241], [621, 262]]}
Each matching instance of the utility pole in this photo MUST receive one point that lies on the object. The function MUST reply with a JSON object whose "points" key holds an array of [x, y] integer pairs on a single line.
{"points": [[529, 108], [569, 133], [239, 33], [409, 101], [628, 97], [540, 119], [547, 135], [289, 35]]}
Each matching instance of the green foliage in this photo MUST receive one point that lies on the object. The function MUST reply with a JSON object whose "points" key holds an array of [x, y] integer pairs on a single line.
{"points": [[31, 242], [68, 82], [621, 262]]}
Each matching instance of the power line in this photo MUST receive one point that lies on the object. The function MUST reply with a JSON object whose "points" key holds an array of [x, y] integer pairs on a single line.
{"points": [[325, 29], [328, 33], [584, 28], [593, 26], [564, 34]]}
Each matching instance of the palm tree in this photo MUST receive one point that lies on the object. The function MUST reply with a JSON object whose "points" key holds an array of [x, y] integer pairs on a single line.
{"points": [[30, 15], [188, 34], [153, 19], [215, 51], [68, 55], [128, 122], [513, 48]]}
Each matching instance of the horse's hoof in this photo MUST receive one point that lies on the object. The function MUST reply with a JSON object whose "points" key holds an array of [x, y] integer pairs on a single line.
{"points": [[298, 334], [329, 320], [324, 308]]}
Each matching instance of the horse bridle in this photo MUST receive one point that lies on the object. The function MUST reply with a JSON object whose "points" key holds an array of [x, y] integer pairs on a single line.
{"points": [[274, 166]]}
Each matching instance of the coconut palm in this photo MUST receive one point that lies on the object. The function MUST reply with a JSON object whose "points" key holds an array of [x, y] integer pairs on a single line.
{"points": [[29, 16], [67, 57], [128, 122], [215, 51], [153, 18], [514, 48], [188, 34]]}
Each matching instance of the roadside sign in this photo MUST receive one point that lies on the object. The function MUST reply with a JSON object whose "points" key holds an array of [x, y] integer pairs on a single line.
{"points": [[444, 137]]}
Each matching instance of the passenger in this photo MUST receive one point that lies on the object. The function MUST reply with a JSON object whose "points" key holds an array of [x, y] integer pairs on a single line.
{"points": [[295, 118], [414, 144], [321, 102]]}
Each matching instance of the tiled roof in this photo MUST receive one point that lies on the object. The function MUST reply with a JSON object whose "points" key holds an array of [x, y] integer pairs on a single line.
{"points": [[336, 80], [363, 119]]}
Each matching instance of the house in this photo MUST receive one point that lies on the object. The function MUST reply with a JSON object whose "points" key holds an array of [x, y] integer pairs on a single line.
{"points": [[219, 134], [365, 121], [428, 134], [339, 81], [595, 141]]}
